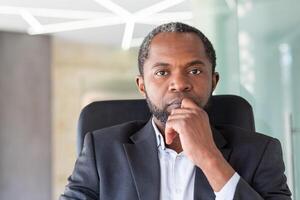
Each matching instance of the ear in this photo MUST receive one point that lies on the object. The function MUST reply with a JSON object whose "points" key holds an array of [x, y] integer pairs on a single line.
{"points": [[215, 80], [140, 84]]}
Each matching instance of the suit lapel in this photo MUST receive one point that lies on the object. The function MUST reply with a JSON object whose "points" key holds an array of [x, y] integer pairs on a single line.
{"points": [[202, 188], [143, 159]]}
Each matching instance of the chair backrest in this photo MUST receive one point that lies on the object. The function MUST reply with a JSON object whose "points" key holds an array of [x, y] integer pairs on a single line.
{"points": [[223, 110]]}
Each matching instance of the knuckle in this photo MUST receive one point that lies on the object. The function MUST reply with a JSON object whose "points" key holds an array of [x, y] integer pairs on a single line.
{"points": [[185, 124]]}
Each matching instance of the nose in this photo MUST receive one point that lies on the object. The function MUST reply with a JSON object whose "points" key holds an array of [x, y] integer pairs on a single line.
{"points": [[180, 83]]}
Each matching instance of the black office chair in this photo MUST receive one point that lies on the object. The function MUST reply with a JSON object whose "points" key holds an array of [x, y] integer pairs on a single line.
{"points": [[223, 110]]}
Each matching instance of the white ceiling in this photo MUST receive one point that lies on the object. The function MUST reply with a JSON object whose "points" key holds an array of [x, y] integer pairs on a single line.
{"points": [[91, 16], [59, 16]]}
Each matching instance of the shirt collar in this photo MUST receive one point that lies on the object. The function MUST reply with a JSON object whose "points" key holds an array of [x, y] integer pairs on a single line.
{"points": [[159, 138]]}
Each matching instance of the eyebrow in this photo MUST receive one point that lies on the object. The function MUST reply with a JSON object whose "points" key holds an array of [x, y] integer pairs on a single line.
{"points": [[194, 62], [160, 64]]}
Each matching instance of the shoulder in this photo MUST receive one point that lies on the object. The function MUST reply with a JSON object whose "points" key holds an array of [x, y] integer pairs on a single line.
{"points": [[235, 135], [247, 142]]}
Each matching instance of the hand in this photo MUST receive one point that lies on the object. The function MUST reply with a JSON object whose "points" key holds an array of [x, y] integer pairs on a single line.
{"points": [[191, 124]]}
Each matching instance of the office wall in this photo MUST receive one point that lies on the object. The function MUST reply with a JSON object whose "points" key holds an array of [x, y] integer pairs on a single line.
{"points": [[83, 73], [25, 118]]}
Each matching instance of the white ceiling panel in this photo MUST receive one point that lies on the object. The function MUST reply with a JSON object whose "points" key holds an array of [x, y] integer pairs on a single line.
{"points": [[98, 21]]}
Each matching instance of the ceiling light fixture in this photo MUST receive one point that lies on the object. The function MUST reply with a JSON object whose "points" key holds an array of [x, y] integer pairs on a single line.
{"points": [[157, 8], [127, 36], [54, 13], [31, 20], [88, 19], [113, 7], [76, 25]]}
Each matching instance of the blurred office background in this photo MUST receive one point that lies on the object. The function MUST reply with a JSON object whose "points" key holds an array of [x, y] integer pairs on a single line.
{"points": [[58, 56]]}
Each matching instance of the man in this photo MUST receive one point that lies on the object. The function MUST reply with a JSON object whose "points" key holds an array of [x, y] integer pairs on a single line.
{"points": [[177, 154]]}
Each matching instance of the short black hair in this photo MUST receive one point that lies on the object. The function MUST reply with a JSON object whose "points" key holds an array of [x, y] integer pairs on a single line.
{"points": [[177, 27]]}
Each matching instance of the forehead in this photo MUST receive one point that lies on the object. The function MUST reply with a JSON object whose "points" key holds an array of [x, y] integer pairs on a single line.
{"points": [[173, 44]]}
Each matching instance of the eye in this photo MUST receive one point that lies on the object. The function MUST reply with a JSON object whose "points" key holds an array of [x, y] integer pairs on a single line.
{"points": [[161, 73], [195, 71]]}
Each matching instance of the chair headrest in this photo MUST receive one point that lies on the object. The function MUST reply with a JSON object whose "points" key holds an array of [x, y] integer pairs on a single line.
{"points": [[223, 110]]}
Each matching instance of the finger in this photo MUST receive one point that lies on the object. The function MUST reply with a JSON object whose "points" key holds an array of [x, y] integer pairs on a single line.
{"points": [[182, 111], [170, 131], [188, 103], [170, 135], [178, 116]]}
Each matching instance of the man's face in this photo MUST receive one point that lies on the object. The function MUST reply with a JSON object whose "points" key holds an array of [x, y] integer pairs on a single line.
{"points": [[177, 67]]}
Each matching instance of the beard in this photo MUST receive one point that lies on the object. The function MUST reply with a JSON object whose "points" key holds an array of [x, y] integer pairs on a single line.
{"points": [[162, 114]]}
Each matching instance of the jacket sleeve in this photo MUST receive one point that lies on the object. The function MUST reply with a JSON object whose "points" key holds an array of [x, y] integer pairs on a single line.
{"points": [[269, 181], [83, 184]]}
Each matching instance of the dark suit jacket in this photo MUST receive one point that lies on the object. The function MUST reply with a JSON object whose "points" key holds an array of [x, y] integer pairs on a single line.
{"points": [[121, 163]]}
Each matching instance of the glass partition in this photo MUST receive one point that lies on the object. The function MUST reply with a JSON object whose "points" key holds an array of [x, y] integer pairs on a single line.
{"points": [[257, 43]]}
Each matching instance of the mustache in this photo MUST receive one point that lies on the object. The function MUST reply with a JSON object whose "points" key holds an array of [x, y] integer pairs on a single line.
{"points": [[176, 100]]}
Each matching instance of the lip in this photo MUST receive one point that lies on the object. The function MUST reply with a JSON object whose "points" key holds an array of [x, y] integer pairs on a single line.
{"points": [[174, 104], [175, 101]]}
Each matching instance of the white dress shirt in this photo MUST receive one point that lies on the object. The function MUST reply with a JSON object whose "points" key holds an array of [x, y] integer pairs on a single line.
{"points": [[178, 175]]}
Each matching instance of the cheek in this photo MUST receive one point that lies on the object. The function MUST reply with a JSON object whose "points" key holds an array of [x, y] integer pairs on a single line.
{"points": [[203, 85], [156, 92], [203, 89]]}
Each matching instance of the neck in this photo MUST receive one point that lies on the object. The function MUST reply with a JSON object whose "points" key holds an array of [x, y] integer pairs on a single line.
{"points": [[160, 125]]}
